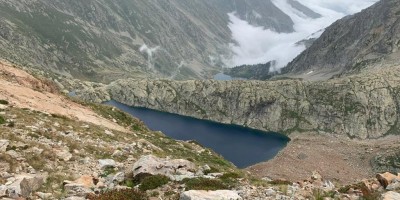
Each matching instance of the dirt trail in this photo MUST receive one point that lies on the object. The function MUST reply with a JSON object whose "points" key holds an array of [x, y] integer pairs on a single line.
{"points": [[25, 91]]}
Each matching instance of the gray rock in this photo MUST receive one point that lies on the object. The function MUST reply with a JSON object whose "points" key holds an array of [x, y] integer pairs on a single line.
{"points": [[3, 145], [76, 189], [105, 163], [210, 195], [270, 192], [394, 186], [63, 154], [281, 106], [390, 196], [44, 195], [3, 191], [118, 177], [75, 198], [25, 184], [3, 107], [177, 169]]}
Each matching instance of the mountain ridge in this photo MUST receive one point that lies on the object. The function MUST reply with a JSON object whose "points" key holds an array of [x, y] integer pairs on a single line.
{"points": [[355, 43]]}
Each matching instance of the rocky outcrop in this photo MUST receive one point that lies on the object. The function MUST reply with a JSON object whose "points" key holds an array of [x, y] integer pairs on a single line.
{"points": [[177, 169], [387, 179], [364, 40], [22, 185], [362, 106], [390, 196], [210, 195]]}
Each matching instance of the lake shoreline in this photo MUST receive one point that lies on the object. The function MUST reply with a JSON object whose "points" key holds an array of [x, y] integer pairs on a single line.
{"points": [[241, 145]]}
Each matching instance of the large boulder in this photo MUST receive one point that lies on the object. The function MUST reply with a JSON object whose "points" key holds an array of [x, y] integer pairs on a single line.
{"points": [[210, 195], [106, 163], [387, 178], [24, 184], [80, 187], [175, 169], [390, 196], [76, 189]]}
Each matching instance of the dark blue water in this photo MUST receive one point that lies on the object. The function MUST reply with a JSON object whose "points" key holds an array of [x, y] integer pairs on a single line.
{"points": [[224, 77], [242, 146]]}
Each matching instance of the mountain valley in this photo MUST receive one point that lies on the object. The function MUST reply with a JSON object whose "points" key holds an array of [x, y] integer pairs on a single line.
{"points": [[338, 101]]}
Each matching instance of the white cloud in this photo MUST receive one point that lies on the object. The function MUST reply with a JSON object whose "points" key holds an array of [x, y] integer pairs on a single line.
{"points": [[256, 45], [149, 51]]}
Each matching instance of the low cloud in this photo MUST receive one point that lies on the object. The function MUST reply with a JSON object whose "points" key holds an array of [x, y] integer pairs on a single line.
{"points": [[256, 45], [149, 51]]}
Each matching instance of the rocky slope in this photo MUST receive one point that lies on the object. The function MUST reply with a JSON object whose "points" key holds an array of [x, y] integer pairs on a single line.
{"points": [[107, 40], [53, 147], [361, 106], [365, 40]]}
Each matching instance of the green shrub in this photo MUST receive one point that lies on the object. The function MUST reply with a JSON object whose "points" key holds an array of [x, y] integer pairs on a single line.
{"points": [[211, 170], [59, 116], [107, 171], [280, 182], [2, 120], [11, 124], [4, 102], [204, 184], [130, 194], [321, 195], [230, 178], [153, 182], [231, 175]]}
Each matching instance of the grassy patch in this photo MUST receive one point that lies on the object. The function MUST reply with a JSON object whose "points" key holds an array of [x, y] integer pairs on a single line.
{"points": [[131, 194], [153, 182], [280, 182], [11, 161], [54, 182], [321, 195], [204, 184], [211, 170], [3, 102], [122, 118], [2, 120], [107, 171], [59, 116], [230, 178]]}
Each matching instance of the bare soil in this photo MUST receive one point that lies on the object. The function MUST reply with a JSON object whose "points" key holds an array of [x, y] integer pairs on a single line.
{"points": [[25, 91], [340, 160]]}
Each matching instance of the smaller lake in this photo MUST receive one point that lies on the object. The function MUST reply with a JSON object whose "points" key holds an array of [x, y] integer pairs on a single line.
{"points": [[242, 146], [224, 77]]}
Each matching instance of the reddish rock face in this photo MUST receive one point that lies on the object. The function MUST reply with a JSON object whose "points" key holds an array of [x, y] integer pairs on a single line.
{"points": [[386, 178]]}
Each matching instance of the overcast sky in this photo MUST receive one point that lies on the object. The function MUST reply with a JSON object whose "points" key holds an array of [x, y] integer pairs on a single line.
{"points": [[259, 45]]}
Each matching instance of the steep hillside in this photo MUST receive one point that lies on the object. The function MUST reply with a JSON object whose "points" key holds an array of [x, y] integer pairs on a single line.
{"points": [[107, 40], [369, 39], [64, 148], [54, 147]]}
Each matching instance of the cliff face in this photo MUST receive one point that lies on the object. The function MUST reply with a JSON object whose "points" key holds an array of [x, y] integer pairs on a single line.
{"points": [[365, 40], [104, 40], [362, 106]]}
